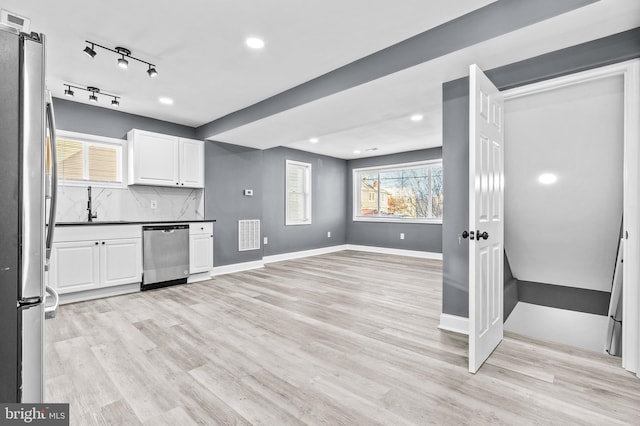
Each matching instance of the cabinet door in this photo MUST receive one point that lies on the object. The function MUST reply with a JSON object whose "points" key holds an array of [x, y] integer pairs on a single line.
{"points": [[155, 159], [75, 266], [191, 163], [200, 253], [121, 261]]}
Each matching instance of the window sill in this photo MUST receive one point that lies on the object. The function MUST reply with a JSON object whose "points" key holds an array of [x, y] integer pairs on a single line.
{"points": [[391, 220], [84, 184]]}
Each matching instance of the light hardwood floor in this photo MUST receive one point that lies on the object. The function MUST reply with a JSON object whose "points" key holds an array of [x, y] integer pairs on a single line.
{"points": [[348, 338]]}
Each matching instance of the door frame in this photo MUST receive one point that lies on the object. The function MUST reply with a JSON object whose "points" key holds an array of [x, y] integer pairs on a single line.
{"points": [[630, 71]]}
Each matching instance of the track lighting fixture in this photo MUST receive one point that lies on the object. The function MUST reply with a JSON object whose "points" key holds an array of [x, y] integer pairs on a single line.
{"points": [[123, 60], [94, 92]]}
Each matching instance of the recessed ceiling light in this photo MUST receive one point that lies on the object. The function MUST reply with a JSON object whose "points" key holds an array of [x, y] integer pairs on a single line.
{"points": [[417, 117], [357, 151], [255, 43], [165, 101], [371, 149], [314, 140], [547, 178]]}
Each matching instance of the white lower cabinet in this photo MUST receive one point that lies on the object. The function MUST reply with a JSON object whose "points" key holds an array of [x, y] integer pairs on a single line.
{"points": [[120, 261], [200, 247], [88, 264], [75, 266]]}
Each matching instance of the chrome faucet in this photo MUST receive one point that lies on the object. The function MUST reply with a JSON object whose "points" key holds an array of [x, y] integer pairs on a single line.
{"points": [[90, 215]]}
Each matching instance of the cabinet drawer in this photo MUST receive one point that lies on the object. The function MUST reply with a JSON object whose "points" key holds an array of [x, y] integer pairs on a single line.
{"points": [[201, 228]]}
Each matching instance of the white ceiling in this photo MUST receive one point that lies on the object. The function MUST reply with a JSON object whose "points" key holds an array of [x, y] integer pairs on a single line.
{"points": [[377, 114], [204, 66], [198, 46]]}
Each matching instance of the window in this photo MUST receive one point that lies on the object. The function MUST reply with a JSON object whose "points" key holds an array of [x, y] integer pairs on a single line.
{"points": [[91, 159], [401, 192], [298, 193]]}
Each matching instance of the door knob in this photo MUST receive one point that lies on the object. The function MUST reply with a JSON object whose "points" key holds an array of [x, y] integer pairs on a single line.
{"points": [[466, 234], [482, 235]]}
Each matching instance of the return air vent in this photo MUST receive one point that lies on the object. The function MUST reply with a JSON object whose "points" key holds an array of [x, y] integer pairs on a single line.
{"points": [[248, 235]]}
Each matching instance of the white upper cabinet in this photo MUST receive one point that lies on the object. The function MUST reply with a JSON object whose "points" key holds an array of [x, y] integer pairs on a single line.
{"points": [[163, 160], [191, 163]]}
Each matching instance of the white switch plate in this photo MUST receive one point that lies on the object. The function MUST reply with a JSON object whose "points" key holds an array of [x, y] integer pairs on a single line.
{"points": [[328, 234], [266, 240], [402, 235], [153, 204]]}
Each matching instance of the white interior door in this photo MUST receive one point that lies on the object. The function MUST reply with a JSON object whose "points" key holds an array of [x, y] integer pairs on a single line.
{"points": [[486, 217]]}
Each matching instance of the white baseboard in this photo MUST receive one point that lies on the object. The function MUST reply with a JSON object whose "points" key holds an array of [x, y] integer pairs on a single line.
{"points": [[202, 276], [236, 267], [99, 293], [397, 252], [454, 323], [303, 253]]}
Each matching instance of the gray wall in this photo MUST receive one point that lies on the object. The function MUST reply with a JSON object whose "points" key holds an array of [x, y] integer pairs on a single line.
{"points": [[608, 50], [109, 122], [328, 205], [229, 169], [418, 236]]}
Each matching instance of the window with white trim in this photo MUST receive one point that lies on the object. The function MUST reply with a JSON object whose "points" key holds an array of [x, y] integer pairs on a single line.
{"points": [[410, 192], [87, 159], [298, 193]]}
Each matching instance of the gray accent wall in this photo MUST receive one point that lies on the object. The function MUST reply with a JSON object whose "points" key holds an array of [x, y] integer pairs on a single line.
{"points": [[604, 51], [109, 122], [418, 236], [455, 170], [493, 20], [229, 169], [328, 205], [563, 297]]}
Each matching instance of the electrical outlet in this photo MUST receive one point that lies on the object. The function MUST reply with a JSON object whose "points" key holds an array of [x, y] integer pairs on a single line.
{"points": [[402, 235], [153, 204], [328, 234], [265, 241]]}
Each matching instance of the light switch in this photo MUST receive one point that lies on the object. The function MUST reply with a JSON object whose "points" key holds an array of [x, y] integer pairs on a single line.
{"points": [[248, 192]]}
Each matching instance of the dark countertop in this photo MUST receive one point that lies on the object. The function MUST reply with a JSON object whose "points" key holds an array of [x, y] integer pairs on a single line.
{"points": [[127, 222]]}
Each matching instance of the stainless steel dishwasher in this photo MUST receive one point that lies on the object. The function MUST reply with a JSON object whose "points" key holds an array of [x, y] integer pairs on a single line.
{"points": [[165, 255]]}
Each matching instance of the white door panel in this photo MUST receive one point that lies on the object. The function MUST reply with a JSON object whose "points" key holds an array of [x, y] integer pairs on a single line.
{"points": [[486, 211]]}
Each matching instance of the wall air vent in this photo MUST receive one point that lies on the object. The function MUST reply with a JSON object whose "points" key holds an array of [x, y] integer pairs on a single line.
{"points": [[248, 235], [20, 23]]}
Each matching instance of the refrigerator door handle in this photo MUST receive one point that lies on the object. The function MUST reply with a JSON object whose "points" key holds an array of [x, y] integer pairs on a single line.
{"points": [[50, 310], [51, 122]]}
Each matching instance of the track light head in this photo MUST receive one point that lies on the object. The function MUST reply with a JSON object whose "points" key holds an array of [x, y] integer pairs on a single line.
{"points": [[68, 92], [92, 96], [152, 71], [123, 63], [89, 51], [115, 102]]}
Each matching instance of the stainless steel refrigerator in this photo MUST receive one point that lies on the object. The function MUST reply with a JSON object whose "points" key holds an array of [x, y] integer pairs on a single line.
{"points": [[26, 153]]}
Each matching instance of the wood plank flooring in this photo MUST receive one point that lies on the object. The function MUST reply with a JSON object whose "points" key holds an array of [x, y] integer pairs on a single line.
{"points": [[348, 338]]}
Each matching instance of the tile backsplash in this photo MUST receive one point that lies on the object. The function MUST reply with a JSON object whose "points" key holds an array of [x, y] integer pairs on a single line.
{"points": [[132, 203]]}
